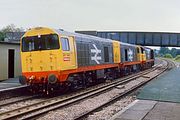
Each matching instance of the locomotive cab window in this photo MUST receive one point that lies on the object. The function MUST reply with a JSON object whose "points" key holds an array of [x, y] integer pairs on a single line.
{"points": [[65, 44], [126, 55], [106, 54], [42, 42], [142, 50], [137, 50]]}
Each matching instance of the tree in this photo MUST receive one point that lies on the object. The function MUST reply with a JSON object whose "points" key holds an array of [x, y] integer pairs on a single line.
{"points": [[164, 50], [173, 52], [178, 52], [9, 28]]}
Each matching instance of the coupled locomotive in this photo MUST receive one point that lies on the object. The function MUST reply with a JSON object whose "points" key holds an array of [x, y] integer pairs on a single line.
{"points": [[55, 59]]}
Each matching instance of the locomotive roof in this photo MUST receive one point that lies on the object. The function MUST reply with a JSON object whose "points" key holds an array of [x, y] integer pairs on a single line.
{"points": [[147, 48], [132, 45], [60, 31], [82, 35], [91, 37]]}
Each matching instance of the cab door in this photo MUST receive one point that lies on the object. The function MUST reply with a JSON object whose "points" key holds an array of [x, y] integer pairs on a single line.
{"points": [[116, 52], [68, 54], [138, 54]]}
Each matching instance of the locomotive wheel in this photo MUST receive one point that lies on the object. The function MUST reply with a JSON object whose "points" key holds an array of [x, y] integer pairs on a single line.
{"points": [[89, 81], [109, 76], [76, 82]]}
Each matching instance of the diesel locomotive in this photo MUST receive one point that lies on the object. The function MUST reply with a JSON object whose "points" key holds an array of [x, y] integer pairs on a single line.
{"points": [[54, 60]]}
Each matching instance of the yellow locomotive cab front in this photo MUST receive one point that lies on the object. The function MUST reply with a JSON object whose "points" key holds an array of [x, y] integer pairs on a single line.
{"points": [[141, 56], [40, 49], [39, 54], [44, 54]]}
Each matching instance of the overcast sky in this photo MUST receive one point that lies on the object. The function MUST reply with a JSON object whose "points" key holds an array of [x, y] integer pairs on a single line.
{"points": [[130, 15]]}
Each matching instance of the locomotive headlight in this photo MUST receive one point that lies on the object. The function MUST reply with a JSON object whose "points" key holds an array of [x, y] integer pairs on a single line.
{"points": [[32, 77], [22, 80], [52, 79]]}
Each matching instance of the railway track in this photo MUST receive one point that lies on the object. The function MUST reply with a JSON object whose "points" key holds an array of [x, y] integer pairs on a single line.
{"points": [[37, 109], [16, 100], [169, 66], [13, 92]]}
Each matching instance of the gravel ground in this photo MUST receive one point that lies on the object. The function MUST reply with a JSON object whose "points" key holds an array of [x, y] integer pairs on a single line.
{"points": [[86, 105], [71, 112], [109, 111]]}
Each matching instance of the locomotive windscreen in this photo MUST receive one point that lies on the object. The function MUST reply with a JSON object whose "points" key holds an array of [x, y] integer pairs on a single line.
{"points": [[41, 42]]}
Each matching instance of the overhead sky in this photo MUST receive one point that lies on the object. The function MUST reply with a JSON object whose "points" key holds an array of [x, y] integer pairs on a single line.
{"points": [[130, 15]]}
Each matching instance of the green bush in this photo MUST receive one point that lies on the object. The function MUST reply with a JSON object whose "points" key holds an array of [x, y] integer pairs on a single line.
{"points": [[177, 57], [168, 56]]}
